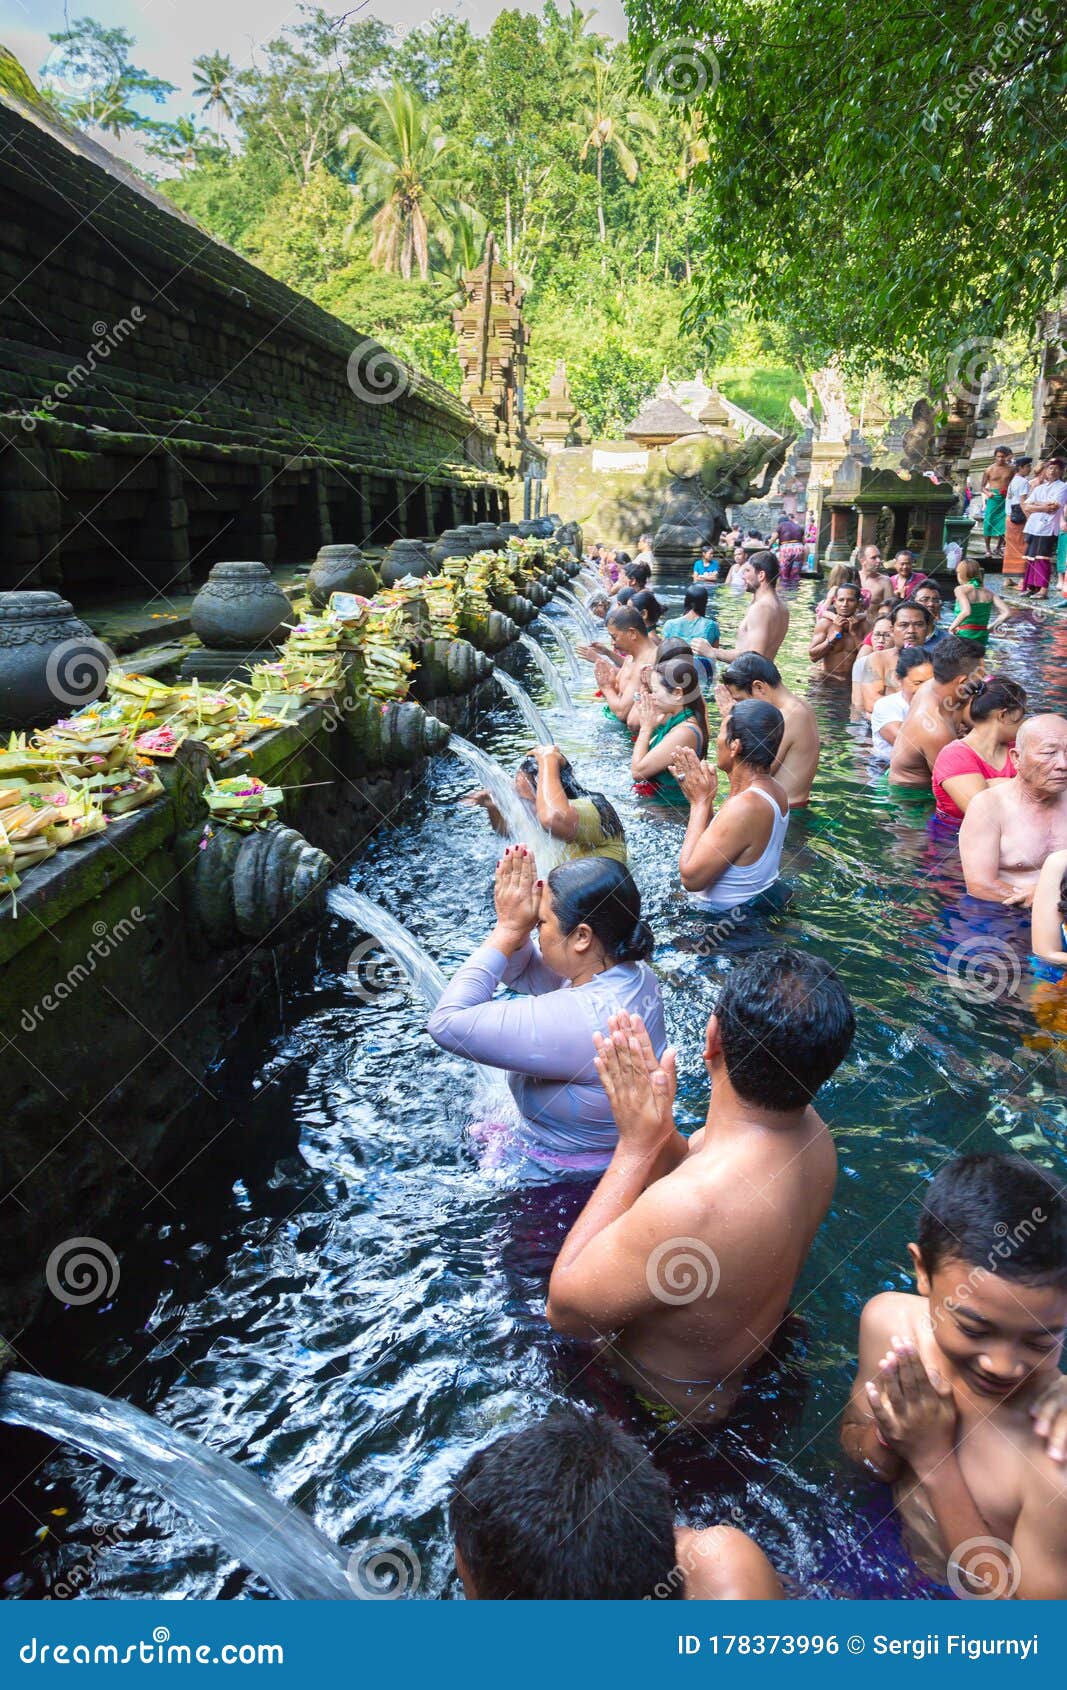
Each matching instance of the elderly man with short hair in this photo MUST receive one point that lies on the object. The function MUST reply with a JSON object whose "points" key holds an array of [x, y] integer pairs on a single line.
{"points": [[1011, 827]]}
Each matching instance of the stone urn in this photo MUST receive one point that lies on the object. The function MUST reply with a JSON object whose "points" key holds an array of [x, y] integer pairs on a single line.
{"points": [[490, 536], [239, 608], [406, 557], [340, 569], [454, 542], [50, 662]]}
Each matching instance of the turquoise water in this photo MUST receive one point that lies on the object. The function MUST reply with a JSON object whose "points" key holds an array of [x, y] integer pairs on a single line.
{"points": [[344, 1301]]}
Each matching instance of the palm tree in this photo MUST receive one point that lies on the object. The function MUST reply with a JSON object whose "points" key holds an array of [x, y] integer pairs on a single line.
{"points": [[606, 124], [180, 142], [214, 85], [404, 180]]}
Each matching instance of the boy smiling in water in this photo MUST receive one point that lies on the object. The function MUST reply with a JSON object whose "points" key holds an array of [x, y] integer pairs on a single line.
{"points": [[958, 1398]]}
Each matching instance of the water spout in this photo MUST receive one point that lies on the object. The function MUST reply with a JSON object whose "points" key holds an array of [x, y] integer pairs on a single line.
{"points": [[560, 690], [369, 917], [275, 1541], [526, 707], [580, 614], [567, 649], [519, 818]]}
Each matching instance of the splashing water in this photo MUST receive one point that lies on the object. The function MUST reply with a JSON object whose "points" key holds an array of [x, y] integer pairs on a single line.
{"points": [[519, 819], [589, 582], [526, 707], [557, 682], [567, 649], [579, 612], [232, 1506], [369, 917]]}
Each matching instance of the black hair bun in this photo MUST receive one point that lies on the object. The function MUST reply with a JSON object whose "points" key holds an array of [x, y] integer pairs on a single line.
{"points": [[640, 945]]}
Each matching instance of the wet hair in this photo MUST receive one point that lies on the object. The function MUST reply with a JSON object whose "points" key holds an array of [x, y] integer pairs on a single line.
{"points": [[625, 594], [766, 563], [573, 788], [759, 726], [679, 672], [909, 604], [569, 1509], [998, 693], [602, 894], [649, 606], [623, 559], [696, 598], [749, 666], [639, 573], [600, 600], [626, 620], [999, 1212], [786, 1023], [911, 657], [953, 657]]}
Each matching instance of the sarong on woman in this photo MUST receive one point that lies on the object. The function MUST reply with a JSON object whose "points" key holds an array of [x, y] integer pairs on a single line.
{"points": [[1014, 561]]}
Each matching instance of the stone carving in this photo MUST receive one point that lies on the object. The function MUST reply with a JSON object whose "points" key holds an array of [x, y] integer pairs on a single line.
{"points": [[239, 608], [50, 663], [257, 886], [709, 474], [837, 422], [557, 421], [407, 557], [917, 445], [492, 346], [396, 736]]}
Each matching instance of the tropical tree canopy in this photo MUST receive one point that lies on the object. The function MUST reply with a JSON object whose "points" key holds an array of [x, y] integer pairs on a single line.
{"points": [[888, 183]]}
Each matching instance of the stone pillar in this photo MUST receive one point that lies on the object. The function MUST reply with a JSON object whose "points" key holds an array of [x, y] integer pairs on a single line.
{"points": [[401, 496], [867, 529], [166, 539], [428, 510], [321, 511], [30, 513], [366, 510], [842, 534], [1054, 414]]}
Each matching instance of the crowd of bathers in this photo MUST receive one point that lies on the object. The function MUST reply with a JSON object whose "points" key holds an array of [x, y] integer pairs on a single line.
{"points": [[681, 1265]]}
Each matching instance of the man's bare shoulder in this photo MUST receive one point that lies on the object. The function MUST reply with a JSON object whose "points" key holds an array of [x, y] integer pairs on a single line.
{"points": [[722, 1564]]}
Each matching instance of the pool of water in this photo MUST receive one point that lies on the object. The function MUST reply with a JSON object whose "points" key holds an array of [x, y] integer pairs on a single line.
{"points": [[338, 1297]]}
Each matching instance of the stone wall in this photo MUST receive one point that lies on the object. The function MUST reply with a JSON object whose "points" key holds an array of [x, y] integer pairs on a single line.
{"points": [[165, 404], [137, 955]]}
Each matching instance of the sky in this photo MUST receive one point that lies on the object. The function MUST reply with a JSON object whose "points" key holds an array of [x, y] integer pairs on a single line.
{"points": [[170, 33]]}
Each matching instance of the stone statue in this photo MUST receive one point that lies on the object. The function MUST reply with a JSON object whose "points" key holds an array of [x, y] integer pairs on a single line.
{"points": [[917, 445], [708, 474], [837, 420], [803, 414]]}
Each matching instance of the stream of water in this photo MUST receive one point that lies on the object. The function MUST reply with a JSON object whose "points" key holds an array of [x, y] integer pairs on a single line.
{"points": [[338, 1297]]}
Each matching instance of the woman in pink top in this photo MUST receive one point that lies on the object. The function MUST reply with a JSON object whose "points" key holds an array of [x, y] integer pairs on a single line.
{"points": [[986, 753]]}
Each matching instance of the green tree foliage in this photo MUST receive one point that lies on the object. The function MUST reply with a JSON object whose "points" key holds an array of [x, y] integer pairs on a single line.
{"points": [[365, 167], [90, 78], [882, 182]]}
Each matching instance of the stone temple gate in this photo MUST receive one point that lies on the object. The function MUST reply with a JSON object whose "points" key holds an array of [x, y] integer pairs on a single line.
{"points": [[164, 404]]}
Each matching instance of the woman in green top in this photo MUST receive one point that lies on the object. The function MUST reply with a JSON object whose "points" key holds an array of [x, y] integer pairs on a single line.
{"points": [[694, 623], [671, 715], [976, 605], [584, 821]]}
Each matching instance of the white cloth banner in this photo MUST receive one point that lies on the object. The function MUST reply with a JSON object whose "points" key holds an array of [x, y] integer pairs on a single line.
{"points": [[627, 463]]}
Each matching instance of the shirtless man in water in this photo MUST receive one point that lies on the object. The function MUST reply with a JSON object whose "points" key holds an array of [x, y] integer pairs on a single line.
{"points": [[635, 645], [766, 621], [876, 672], [753, 676], [873, 579], [938, 711], [734, 1209], [1011, 827], [838, 636], [995, 491]]}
